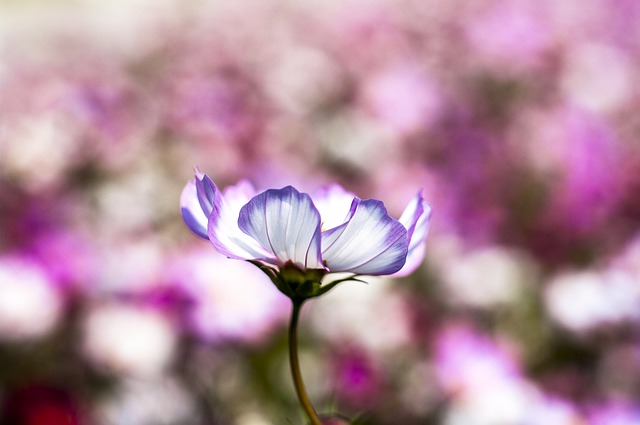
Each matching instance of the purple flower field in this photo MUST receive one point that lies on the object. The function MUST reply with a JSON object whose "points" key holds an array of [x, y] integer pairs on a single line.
{"points": [[517, 120]]}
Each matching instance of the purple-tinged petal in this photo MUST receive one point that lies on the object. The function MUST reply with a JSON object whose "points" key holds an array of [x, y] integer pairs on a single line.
{"points": [[286, 223], [223, 230], [191, 210], [370, 242], [238, 195], [334, 204], [415, 218], [208, 193]]}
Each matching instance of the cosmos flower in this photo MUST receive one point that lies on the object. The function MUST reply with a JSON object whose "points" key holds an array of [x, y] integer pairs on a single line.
{"points": [[286, 232]]}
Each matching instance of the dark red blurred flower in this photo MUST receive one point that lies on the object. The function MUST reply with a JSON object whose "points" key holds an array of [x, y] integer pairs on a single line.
{"points": [[40, 405]]}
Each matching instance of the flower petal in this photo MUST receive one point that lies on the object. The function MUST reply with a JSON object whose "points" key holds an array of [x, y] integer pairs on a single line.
{"points": [[416, 218], [191, 210], [238, 195], [208, 193], [286, 223], [370, 242], [333, 203], [223, 230]]}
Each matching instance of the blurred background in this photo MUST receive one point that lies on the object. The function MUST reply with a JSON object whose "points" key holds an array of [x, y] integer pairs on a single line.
{"points": [[518, 119]]}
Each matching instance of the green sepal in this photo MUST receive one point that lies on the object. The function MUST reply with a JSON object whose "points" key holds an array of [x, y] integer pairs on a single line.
{"points": [[298, 284], [302, 284], [330, 285], [273, 274], [308, 289]]}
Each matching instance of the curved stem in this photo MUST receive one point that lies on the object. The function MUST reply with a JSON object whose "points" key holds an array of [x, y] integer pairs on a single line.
{"points": [[295, 365]]}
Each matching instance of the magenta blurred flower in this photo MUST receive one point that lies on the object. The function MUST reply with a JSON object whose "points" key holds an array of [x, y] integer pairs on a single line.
{"points": [[592, 165], [615, 413], [357, 378], [403, 99], [510, 33], [466, 361], [304, 238]]}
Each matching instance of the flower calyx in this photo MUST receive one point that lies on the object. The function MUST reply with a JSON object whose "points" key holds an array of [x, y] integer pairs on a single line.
{"points": [[300, 284]]}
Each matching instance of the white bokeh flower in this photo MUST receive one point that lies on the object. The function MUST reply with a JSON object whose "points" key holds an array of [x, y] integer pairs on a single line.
{"points": [[136, 341], [30, 304]]}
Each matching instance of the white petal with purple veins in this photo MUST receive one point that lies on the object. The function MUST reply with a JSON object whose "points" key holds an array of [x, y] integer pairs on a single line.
{"points": [[370, 242], [223, 229], [286, 223]]}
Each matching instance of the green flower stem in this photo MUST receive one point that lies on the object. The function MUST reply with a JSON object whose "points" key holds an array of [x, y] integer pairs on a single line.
{"points": [[295, 365]]}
